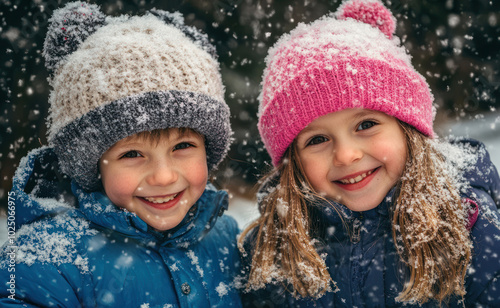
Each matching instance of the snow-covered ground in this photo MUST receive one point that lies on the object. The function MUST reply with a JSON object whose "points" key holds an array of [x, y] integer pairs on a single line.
{"points": [[243, 210], [485, 128]]}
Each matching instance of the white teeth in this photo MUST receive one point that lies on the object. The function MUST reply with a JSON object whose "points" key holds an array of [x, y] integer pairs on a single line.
{"points": [[356, 179], [161, 200]]}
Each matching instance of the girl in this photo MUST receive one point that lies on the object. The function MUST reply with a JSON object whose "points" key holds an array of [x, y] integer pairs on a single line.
{"points": [[365, 207]]}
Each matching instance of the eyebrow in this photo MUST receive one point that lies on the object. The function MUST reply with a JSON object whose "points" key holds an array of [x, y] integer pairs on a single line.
{"points": [[131, 143], [124, 146], [305, 130], [364, 112], [357, 115]]}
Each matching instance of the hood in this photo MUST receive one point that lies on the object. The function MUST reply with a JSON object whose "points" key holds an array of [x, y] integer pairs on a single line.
{"points": [[41, 191], [482, 174], [38, 189]]}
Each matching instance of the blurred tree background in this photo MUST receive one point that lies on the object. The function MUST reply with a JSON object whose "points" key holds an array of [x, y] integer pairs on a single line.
{"points": [[454, 44]]}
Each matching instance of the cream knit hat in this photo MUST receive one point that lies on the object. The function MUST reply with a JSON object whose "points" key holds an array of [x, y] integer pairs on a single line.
{"points": [[114, 77]]}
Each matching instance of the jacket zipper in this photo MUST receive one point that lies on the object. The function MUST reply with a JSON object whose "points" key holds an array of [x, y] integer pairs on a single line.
{"points": [[356, 230], [355, 265]]}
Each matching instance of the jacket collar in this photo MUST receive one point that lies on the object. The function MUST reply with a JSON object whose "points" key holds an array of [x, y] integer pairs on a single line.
{"points": [[339, 223], [335, 212], [96, 207]]}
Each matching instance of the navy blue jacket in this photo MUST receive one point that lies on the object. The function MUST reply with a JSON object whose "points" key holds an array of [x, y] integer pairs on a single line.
{"points": [[366, 266], [95, 254]]}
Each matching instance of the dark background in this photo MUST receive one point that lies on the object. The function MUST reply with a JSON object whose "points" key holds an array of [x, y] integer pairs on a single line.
{"points": [[454, 44]]}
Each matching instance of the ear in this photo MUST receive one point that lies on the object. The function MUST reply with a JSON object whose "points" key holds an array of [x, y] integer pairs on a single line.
{"points": [[68, 28], [177, 20]]}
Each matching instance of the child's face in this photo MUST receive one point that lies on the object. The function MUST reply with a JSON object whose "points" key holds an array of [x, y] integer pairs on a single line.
{"points": [[159, 180], [354, 156]]}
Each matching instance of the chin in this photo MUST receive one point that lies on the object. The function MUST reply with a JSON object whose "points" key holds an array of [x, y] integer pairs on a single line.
{"points": [[361, 208], [164, 226]]}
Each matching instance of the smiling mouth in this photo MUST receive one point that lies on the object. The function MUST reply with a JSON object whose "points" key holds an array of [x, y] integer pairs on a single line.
{"points": [[160, 199], [356, 179]]}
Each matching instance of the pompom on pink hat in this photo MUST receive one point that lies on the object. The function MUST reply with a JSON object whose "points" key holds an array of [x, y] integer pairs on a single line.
{"points": [[348, 59]]}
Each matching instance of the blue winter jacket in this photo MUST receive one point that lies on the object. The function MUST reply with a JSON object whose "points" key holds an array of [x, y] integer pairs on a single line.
{"points": [[366, 266], [97, 255]]}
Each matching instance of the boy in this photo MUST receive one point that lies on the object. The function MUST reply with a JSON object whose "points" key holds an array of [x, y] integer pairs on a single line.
{"points": [[137, 121]]}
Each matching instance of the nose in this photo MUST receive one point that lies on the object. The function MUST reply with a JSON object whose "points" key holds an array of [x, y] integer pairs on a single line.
{"points": [[161, 173], [346, 152]]}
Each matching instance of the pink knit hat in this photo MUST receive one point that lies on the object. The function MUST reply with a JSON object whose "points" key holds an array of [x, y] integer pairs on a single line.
{"points": [[344, 60]]}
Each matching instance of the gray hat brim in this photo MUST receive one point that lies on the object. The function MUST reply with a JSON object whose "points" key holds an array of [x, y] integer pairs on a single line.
{"points": [[81, 143]]}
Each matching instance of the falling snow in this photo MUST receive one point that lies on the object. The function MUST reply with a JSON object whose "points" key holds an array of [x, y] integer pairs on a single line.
{"points": [[453, 43]]}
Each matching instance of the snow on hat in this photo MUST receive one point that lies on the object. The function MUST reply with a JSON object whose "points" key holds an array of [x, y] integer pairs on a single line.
{"points": [[113, 77], [344, 60]]}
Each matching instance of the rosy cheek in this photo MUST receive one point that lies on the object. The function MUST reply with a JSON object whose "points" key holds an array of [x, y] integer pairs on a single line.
{"points": [[120, 188], [312, 176], [201, 177]]}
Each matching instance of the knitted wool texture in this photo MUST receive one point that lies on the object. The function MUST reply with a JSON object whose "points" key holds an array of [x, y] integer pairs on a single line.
{"points": [[344, 60], [119, 76]]}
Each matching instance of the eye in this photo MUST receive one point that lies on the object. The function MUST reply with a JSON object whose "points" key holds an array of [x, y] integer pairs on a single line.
{"points": [[317, 140], [366, 125], [183, 145], [131, 154]]}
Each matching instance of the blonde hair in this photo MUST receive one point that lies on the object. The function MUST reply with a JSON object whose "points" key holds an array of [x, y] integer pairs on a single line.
{"points": [[429, 229]]}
